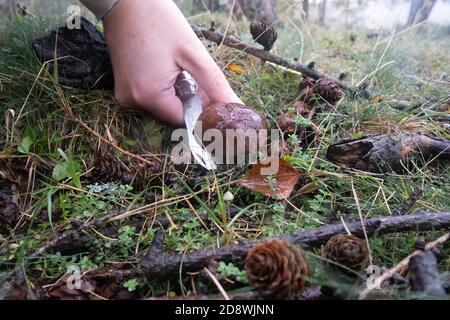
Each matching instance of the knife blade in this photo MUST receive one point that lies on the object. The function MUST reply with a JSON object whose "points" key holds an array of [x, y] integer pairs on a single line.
{"points": [[186, 90]]}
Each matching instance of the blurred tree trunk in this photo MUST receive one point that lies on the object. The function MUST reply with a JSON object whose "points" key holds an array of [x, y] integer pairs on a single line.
{"points": [[264, 10], [425, 11], [10, 7], [420, 11], [305, 10], [323, 11]]}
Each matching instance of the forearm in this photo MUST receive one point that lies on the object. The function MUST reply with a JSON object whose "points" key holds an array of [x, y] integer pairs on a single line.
{"points": [[99, 7]]}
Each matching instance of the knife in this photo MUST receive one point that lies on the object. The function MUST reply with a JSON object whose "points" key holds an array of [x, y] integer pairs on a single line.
{"points": [[186, 90]]}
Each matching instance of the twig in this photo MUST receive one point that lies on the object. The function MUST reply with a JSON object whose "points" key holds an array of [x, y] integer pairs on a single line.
{"points": [[67, 235], [114, 274], [75, 235], [217, 283], [402, 265], [168, 265], [358, 206], [267, 56]]}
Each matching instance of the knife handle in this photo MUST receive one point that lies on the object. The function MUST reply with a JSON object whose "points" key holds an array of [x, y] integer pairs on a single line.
{"points": [[185, 86]]}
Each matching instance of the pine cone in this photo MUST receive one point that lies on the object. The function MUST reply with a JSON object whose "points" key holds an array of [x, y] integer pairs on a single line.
{"points": [[9, 215], [328, 90], [347, 250], [286, 124], [264, 34], [109, 168], [306, 89], [276, 269], [302, 108], [9, 211], [14, 291], [139, 175]]}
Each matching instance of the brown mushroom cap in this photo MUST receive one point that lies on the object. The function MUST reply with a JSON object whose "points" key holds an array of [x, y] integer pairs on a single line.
{"points": [[231, 116], [225, 116]]}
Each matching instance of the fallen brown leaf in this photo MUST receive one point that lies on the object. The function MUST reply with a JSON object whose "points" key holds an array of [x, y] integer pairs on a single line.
{"points": [[278, 186], [235, 68]]}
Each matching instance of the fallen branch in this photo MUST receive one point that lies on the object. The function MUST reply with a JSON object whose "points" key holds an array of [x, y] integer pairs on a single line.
{"points": [[69, 235], [76, 239], [267, 56], [169, 265]]}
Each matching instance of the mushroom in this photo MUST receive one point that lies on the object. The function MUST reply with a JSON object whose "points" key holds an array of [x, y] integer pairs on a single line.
{"points": [[237, 127]]}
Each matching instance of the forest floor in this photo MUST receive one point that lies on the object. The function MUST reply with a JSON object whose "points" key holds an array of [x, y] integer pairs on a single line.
{"points": [[58, 175]]}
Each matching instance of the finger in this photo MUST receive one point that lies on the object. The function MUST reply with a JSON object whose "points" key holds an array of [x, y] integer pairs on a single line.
{"points": [[165, 106], [205, 99]]}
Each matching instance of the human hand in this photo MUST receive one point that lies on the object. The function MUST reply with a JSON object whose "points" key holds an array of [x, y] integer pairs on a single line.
{"points": [[150, 43]]}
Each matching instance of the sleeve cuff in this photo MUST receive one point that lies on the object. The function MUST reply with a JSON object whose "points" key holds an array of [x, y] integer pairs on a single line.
{"points": [[99, 7]]}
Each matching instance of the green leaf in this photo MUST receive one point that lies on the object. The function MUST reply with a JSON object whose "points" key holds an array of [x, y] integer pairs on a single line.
{"points": [[131, 285], [63, 154], [25, 144], [302, 122], [359, 135], [156, 140], [131, 142], [150, 126], [61, 171], [49, 209]]}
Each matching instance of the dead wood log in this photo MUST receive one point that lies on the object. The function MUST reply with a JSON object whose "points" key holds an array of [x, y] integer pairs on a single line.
{"points": [[424, 276], [383, 153], [232, 42], [169, 265]]}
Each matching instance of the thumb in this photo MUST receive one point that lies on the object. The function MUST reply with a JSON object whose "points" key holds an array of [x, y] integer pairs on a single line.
{"points": [[209, 77]]}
